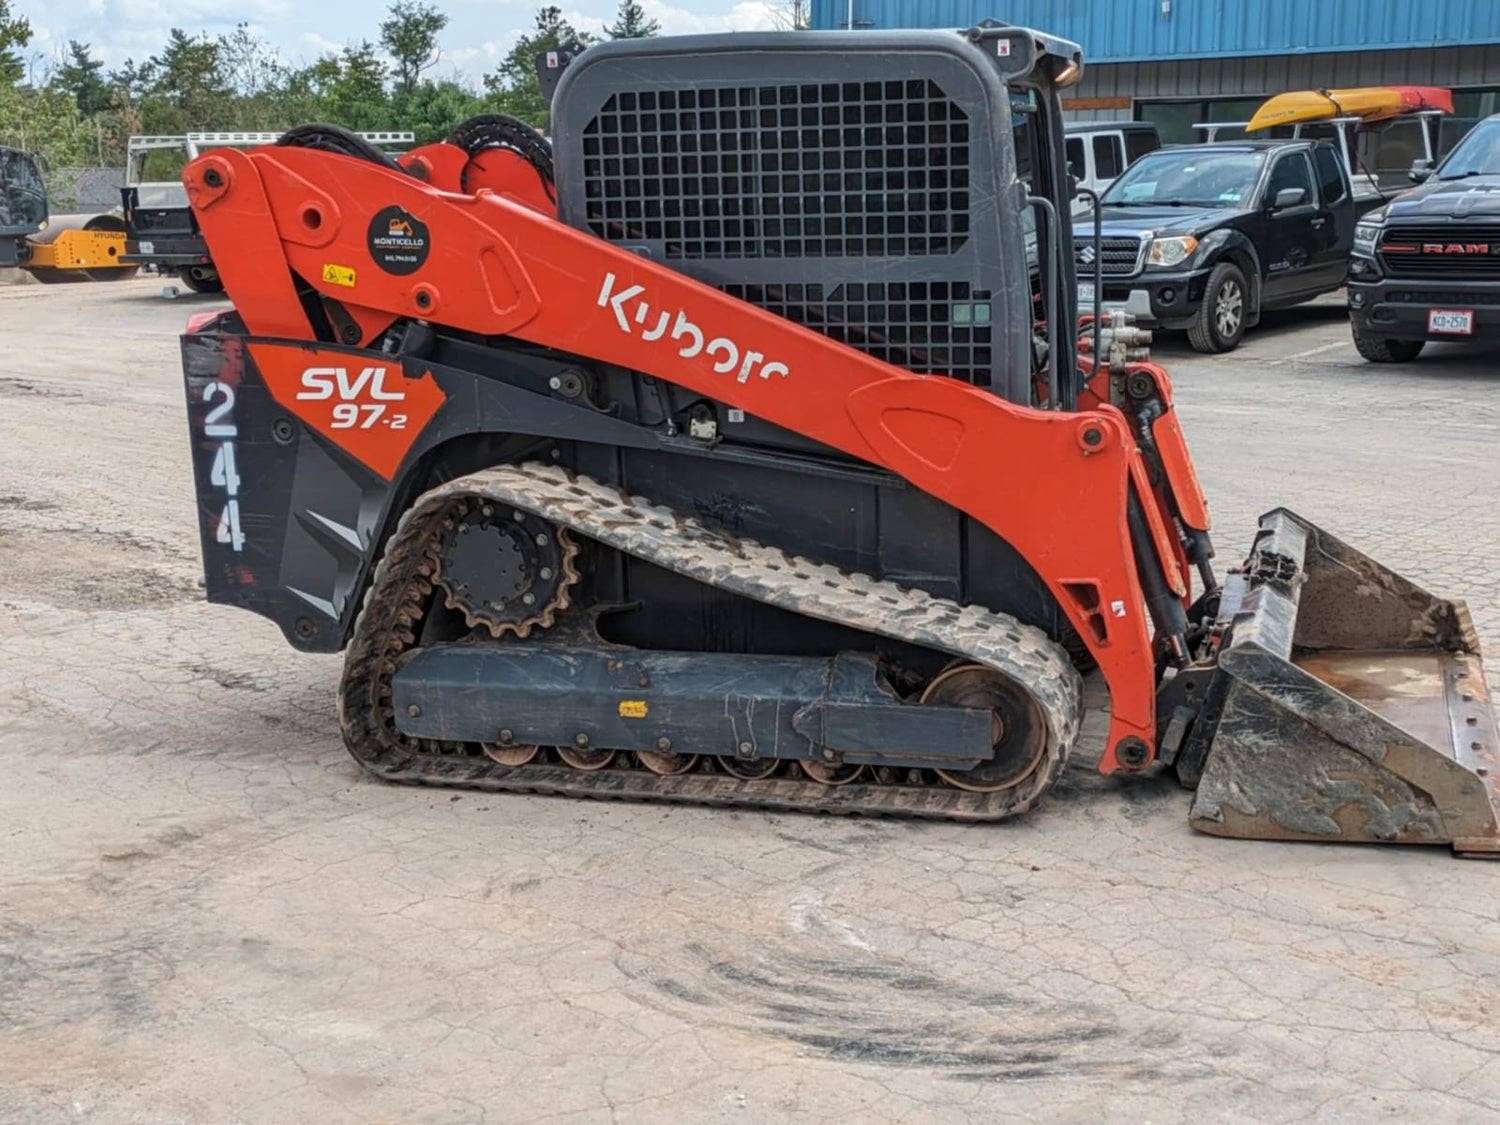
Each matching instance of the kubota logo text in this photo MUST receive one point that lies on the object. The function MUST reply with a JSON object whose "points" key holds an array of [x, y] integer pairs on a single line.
{"points": [[727, 355]]}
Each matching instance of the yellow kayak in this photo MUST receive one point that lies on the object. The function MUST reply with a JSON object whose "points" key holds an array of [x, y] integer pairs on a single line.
{"points": [[1371, 103]]}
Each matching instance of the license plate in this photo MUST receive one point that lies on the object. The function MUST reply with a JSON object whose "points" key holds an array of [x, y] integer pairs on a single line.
{"points": [[1451, 322], [148, 248], [1085, 295]]}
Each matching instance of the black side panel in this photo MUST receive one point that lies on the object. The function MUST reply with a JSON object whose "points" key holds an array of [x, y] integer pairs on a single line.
{"points": [[864, 186]]}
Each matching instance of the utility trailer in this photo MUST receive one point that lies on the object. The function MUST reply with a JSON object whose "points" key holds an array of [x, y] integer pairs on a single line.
{"points": [[160, 230]]}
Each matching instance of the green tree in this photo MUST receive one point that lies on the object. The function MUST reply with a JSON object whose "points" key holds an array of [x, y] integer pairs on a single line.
{"points": [[432, 109], [514, 84], [410, 35], [631, 22], [348, 89], [250, 66], [188, 84], [46, 120], [131, 81], [15, 31], [82, 76]]}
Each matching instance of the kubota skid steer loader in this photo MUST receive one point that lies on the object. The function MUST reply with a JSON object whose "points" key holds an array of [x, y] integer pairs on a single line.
{"points": [[747, 457]]}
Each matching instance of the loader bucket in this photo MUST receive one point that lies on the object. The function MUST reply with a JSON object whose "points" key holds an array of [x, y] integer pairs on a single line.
{"points": [[1348, 704]]}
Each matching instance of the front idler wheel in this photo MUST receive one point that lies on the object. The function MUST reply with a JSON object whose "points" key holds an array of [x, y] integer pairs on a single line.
{"points": [[1018, 730]]}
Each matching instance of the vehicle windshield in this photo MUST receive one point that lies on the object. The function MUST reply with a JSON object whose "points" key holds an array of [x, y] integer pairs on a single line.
{"points": [[1188, 177], [1478, 154]]}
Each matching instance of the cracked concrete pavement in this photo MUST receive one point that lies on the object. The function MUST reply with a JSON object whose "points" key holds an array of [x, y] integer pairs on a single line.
{"points": [[209, 915]]}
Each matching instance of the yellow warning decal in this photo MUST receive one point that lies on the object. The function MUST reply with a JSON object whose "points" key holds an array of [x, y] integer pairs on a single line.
{"points": [[338, 275], [632, 708]]}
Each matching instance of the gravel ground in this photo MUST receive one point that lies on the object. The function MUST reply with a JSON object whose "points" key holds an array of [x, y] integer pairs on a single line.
{"points": [[209, 915]]}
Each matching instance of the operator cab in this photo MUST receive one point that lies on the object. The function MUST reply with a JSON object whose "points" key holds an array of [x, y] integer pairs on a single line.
{"points": [[23, 202], [882, 208]]}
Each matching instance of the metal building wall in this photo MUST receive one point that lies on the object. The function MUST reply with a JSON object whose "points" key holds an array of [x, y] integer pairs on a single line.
{"points": [[1119, 83], [1136, 30]]}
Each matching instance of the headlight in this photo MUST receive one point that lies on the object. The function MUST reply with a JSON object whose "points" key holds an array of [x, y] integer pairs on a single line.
{"points": [[1365, 235], [1171, 251]]}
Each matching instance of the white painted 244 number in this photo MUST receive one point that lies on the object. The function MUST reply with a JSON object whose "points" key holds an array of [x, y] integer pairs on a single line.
{"points": [[219, 424]]}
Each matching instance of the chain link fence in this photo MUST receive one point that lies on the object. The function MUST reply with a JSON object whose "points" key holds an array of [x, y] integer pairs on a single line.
{"points": [[74, 190]]}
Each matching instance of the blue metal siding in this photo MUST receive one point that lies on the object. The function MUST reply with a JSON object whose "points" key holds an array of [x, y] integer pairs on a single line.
{"points": [[1137, 30]]}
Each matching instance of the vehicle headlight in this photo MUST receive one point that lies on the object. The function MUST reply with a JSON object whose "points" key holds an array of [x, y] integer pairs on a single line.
{"points": [[1171, 251], [1365, 235]]}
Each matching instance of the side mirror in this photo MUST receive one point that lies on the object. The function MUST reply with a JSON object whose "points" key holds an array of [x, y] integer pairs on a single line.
{"points": [[1073, 179], [1289, 197], [1421, 170]]}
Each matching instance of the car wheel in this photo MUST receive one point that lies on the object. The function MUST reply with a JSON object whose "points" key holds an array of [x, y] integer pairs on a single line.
{"points": [[1380, 350], [1220, 322]]}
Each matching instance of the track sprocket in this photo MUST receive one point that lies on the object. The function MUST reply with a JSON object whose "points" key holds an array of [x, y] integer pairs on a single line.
{"points": [[504, 568]]}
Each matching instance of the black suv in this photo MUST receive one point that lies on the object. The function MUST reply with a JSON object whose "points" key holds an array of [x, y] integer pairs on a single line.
{"points": [[1427, 265], [1206, 237]]}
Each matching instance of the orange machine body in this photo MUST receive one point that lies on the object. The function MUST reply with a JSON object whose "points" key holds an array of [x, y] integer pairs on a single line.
{"points": [[497, 262]]}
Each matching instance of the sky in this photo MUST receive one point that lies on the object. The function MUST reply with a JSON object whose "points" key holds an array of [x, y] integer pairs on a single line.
{"points": [[479, 32]]}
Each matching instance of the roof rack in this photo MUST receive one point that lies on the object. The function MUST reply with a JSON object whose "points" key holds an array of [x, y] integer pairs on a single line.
{"points": [[247, 139], [1212, 127], [1428, 119]]}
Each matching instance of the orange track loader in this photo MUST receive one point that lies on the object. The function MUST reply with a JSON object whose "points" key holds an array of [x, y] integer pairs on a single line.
{"points": [[740, 447]]}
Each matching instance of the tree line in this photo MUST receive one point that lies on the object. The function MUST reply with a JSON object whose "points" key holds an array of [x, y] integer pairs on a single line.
{"points": [[75, 113]]}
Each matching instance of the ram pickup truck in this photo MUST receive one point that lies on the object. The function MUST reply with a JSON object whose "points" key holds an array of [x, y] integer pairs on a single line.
{"points": [[1427, 265], [1207, 237]]}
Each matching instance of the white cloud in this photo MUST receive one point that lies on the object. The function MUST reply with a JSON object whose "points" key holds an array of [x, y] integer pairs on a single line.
{"points": [[479, 34], [747, 15], [319, 45]]}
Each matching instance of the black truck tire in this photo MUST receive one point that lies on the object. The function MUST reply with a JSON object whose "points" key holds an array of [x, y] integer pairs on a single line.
{"points": [[203, 284], [1377, 349], [1220, 322]]}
